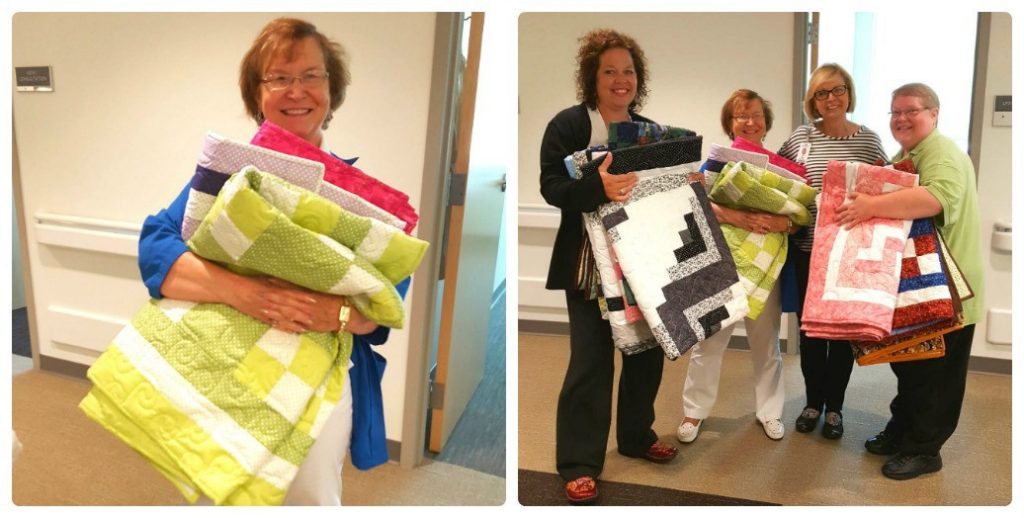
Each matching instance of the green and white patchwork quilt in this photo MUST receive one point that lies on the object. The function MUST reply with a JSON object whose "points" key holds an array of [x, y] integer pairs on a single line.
{"points": [[759, 257], [221, 403]]}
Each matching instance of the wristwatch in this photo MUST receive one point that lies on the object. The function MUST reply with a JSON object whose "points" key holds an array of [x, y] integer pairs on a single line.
{"points": [[343, 315]]}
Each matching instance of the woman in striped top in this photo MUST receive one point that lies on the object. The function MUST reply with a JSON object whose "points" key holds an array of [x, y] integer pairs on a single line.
{"points": [[825, 364]]}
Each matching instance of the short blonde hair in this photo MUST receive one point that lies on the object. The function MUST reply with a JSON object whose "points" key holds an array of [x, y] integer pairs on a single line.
{"points": [[928, 97], [820, 75]]}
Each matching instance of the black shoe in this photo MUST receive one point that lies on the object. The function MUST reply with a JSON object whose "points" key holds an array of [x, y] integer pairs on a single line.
{"points": [[807, 420], [885, 443], [904, 466], [833, 427]]}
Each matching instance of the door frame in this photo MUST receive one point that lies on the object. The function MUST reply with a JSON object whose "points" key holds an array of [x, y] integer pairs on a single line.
{"points": [[433, 202]]}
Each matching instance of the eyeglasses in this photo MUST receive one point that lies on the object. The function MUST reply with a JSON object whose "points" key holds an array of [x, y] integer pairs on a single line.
{"points": [[747, 118], [911, 113], [838, 91], [308, 80]]}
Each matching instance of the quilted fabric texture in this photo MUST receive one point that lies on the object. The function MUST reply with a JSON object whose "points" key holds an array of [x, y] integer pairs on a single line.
{"points": [[630, 332], [759, 257], [773, 158], [921, 338], [338, 173], [652, 156], [854, 274], [341, 253], [676, 259], [220, 403], [637, 133], [222, 157]]}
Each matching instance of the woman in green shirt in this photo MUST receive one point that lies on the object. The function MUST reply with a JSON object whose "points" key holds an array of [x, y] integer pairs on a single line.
{"points": [[930, 393]]}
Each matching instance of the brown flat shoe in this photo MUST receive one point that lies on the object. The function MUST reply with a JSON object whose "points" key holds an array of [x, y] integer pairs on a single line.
{"points": [[581, 491], [661, 453]]}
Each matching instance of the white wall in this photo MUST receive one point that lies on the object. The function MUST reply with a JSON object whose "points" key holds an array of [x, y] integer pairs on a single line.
{"points": [[118, 139], [995, 181], [693, 67]]}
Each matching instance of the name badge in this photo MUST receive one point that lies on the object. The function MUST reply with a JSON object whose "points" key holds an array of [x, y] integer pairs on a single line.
{"points": [[803, 152]]}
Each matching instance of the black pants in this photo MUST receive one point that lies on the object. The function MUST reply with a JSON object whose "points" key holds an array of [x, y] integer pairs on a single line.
{"points": [[825, 364], [929, 396], [585, 403]]}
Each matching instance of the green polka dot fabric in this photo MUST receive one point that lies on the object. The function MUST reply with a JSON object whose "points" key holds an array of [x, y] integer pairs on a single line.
{"points": [[220, 403], [759, 257]]}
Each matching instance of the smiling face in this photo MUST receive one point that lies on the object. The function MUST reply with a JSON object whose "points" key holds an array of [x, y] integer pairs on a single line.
{"points": [[299, 109], [748, 120], [833, 107], [910, 129], [616, 79]]}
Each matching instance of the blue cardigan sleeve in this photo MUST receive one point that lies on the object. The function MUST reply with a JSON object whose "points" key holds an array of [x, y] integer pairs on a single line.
{"points": [[160, 243]]}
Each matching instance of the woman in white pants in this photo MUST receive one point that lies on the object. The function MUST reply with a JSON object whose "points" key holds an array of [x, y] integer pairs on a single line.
{"points": [[745, 114]]}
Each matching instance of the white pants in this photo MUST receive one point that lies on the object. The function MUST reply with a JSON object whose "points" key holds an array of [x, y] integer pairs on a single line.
{"points": [[702, 375], [318, 481]]}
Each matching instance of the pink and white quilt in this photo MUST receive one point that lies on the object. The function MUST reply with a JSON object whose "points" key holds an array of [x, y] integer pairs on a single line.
{"points": [[855, 274]]}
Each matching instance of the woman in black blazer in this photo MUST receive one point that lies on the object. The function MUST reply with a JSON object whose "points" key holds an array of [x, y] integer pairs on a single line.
{"points": [[611, 85]]}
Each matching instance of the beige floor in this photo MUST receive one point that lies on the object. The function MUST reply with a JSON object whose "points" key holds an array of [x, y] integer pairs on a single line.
{"points": [[732, 456]]}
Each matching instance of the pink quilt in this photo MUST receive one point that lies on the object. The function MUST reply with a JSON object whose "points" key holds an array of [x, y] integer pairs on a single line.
{"points": [[855, 274], [773, 158], [338, 173]]}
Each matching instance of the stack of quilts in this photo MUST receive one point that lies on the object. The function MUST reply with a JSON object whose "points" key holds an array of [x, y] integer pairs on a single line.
{"points": [[928, 303], [747, 180], [670, 247], [630, 331], [855, 273], [220, 403]]}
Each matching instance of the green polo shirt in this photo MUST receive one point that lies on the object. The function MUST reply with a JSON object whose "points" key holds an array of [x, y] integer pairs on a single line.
{"points": [[948, 174]]}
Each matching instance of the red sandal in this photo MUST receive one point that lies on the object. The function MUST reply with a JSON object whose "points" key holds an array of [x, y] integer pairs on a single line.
{"points": [[660, 453], [581, 491]]}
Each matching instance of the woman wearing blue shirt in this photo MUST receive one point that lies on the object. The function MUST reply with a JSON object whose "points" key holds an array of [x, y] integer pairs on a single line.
{"points": [[295, 77]]}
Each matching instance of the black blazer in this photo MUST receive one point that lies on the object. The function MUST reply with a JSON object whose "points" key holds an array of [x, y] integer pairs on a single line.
{"points": [[568, 132]]}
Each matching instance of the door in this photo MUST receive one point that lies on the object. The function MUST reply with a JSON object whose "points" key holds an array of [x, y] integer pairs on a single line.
{"points": [[470, 255]]}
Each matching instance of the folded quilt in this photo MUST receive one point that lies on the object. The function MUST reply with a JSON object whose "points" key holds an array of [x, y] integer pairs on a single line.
{"points": [[924, 296], [630, 333], [221, 404], [932, 346], [652, 156], [854, 274], [262, 223], [221, 157], [339, 173], [773, 158], [632, 133], [923, 338], [759, 257], [742, 185], [675, 257]]}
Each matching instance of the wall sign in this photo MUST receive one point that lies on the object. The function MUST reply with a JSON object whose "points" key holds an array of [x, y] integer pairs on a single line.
{"points": [[34, 79]]}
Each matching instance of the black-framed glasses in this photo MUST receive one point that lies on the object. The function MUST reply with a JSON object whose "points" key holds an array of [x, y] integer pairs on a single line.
{"points": [[911, 113], [279, 82], [838, 91]]}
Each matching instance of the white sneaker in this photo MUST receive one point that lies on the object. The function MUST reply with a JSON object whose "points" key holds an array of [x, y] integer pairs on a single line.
{"points": [[774, 429], [687, 431]]}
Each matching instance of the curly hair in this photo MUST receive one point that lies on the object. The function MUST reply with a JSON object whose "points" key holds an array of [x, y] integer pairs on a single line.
{"points": [[592, 45], [744, 95], [277, 39]]}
